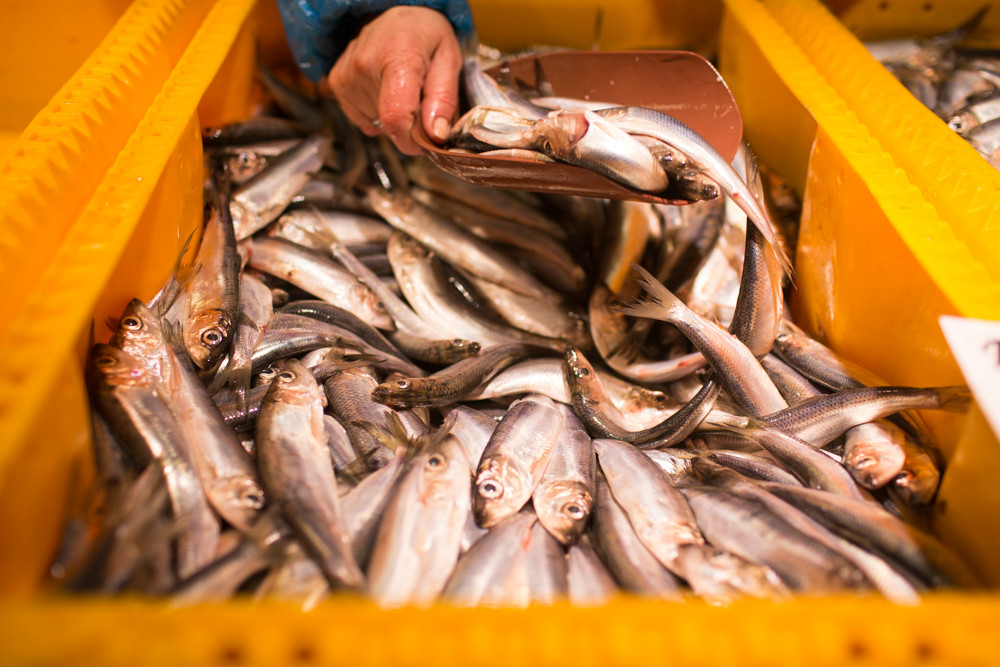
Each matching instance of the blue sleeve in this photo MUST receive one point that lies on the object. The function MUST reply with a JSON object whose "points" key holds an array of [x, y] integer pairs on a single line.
{"points": [[318, 31]]}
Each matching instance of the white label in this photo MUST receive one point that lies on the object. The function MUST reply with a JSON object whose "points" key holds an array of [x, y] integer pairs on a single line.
{"points": [[976, 347]]}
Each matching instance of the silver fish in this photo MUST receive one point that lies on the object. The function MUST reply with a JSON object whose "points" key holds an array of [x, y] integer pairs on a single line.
{"points": [[635, 569], [657, 511], [213, 292], [515, 459], [701, 154], [320, 276], [456, 245], [419, 537], [141, 417], [736, 367], [298, 475], [564, 495], [746, 528], [589, 582], [262, 199]]}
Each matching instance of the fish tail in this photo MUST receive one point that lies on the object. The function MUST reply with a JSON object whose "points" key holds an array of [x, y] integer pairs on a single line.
{"points": [[662, 304], [783, 259], [237, 379], [954, 399]]}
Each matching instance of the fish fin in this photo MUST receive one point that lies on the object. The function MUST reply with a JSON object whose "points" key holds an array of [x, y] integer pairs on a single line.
{"points": [[394, 437], [237, 379], [745, 426], [954, 399], [172, 334], [337, 360], [662, 303], [171, 289], [783, 259]]}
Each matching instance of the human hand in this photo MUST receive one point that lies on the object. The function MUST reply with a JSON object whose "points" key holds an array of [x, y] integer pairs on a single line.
{"points": [[405, 60]]}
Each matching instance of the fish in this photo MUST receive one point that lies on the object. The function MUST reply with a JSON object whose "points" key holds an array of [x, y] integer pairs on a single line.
{"points": [[213, 292], [657, 511], [821, 419], [321, 277], [298, 475], [736, 367], [748, 529], [634, 568], [256, 311], [433, 296], [585, 139], [874, 453], [138, 413], [564, 495], [459, 247], [226, 471], [261, 199], [419, 536], [515, 458], [588, 581], [454, 382], [700, 154]]}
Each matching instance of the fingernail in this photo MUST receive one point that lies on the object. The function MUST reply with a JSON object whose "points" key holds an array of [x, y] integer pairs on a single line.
{"points": [[440, 128]]}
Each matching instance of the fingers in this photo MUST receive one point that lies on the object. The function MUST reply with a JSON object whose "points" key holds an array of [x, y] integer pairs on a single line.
{"points": [[399, 101], [441, 90], [354, 83], [405, 54]]}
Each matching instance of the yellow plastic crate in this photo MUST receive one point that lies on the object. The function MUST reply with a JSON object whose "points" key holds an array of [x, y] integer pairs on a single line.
{"points": [[102, 187]]}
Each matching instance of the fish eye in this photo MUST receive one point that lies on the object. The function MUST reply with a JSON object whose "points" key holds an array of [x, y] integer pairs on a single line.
{"points": [[286, 376], [864, 462], [105, 361], [582, 372], [253, 500], [659, 398], [212, 337], [490, 489], [267, 374], [574, 511], [904, 478], [404, 384], [132, 323], [436, 461], [244, 159]]}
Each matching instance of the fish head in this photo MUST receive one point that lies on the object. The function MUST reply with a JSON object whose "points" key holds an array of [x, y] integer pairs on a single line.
{"points": [[444, 468], [872, 463], [560, 131], [404, 249], [110, 367], [245, 164], [373, 311], [499, 491], [578, 370], [206, 336], [396, 393], [238, 499], [138, 332], [563, 508], [295, 385], [916, 486]]}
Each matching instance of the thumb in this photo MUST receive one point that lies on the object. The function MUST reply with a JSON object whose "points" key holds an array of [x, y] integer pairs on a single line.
{"points": [[440, 101]]}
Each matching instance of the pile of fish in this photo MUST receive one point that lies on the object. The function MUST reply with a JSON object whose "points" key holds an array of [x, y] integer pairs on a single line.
{"points": [[962, 86], [376, 378]]}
